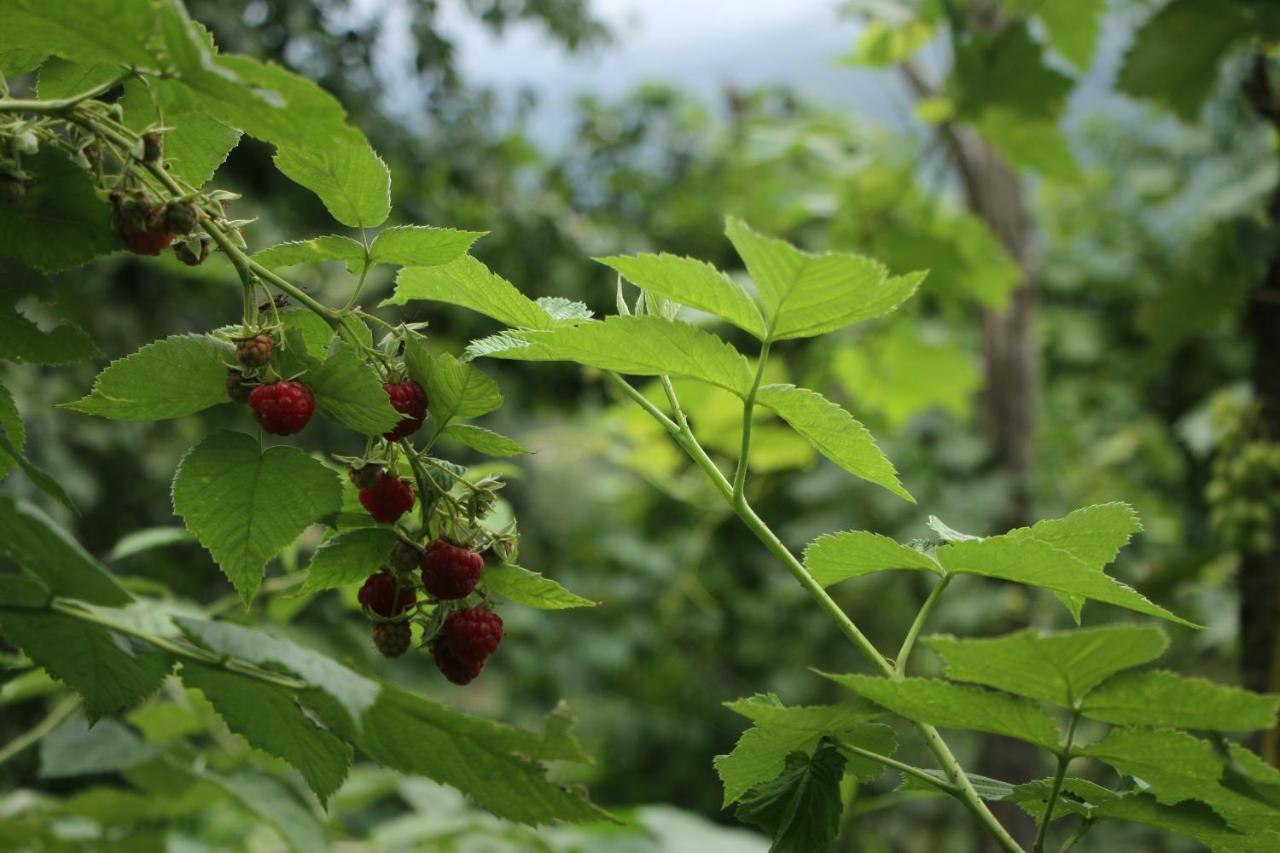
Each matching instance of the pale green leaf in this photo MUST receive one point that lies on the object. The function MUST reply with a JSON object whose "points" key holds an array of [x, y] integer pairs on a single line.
{"points": [[148, 539], [1073, 27], [470, 284], [563, 310], [33, 541], [348, 557], [530, 588], [65, 28], [1038, 145], [834, 432], [800, 809], [835, 557], [458, 390], [275, 804], [692, 283], [484, 441], [244, 505], [169, 378], [421, 245], [349, 390], [75, 749], [313, 251], [345, 173], [1166, 699]]}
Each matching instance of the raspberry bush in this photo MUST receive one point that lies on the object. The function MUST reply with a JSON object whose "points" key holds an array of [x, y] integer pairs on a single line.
{"points": [[123, 162]]}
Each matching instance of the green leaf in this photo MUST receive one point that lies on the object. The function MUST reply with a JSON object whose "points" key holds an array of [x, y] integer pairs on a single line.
{"points": [[986, 787], [563, 310], [1176, 765], [349, 390], [59, 78], [834, 433], [244, 505], [348, 557], [800, 810], [1008, 71], [26, 343], [12, 433], [1166, 699], [33, 541], [10, 456], [1073, 27], [642, 345], [805, 295], [458, 390], [148, 539], [345, 173], [693, 283], [954, 706], [1035, 144], [1059, 667], [196, 143], [108, 671], [313, 251], [270, 719], [530, 588], [421, 245], [65, 28], [169, 378], [470, 284], [277, 806], [75, 749], [484, 441], [493, 764], [1065, 555], [60, 222], [835, 557], [1175, 56]]}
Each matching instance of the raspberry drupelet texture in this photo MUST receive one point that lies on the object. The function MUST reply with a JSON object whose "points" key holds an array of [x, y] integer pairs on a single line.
{"points": [[387, 499], [450, 571], [381, 595], [410, 400], [392, 639], [282, 408], [455, 669], [472, 634], [255, 351]]}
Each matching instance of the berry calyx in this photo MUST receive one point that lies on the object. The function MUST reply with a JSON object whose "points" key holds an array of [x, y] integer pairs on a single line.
{"points": [[365, 476], [192, 250], [450, 571], [381, 595], [282, 408], [392, 639], [455, 669], [472, 634], [387, 499], [254, 351], [238, 387], [404, 557], [410, 400]]}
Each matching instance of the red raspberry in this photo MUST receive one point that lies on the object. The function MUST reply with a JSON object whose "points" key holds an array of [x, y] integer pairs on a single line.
{"points": [[392, 638], [255, 351], [448, 571], [472, 634], [282, 408], [410, 400], [455, 669], [387, 499], [381, 595]]}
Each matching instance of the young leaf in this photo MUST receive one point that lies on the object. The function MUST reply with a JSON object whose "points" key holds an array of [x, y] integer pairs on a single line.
{"points": [[271, 800], [530, 588], [1058, 667], [1166, 699], [270, 719], [470, 284], [348, 557], [313, 251], [345, 173], [693, 283], [348, 390], [26, 343], [33, 541], [807, 295], [641, 345], [421, 245], [484, 441], [834, 433], [953, 706], [244, 505], [176, 376], [835, 557], [800, 810], [458, 390]]}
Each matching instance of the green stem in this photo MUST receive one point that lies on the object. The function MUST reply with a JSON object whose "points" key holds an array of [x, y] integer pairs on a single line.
{"points": [[56, 715], [913, 634], [1064, 759], [1084, 827], [748, 409], [58, 105], [906, 769]]}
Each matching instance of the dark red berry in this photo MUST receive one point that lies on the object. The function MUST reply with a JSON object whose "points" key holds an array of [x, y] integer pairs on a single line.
{"points": [[448, 571], [392, 638], [387, 499], [181, 217], [255, 351], [383, 596], [140, 223], [454, 668], [472, 634], [282, 408], [410, 400]]}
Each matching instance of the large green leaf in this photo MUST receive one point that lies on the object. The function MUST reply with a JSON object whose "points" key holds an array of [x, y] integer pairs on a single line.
{"points": [[954, 706], [169, 378], [24, 342], [270, 719], [530, 588], [1175, 765], [316, 250], [348, 557], [196, 143], [1166, 699], [470, 284], [60, 222], [835, 557], [1059, 667], [345, 173], [805, 295], [348, 389], [1073, 27], [642, 345], [484, 441], [693, 283], [456, 390], [33, 541], [244, 505], [421, 245], [275, 804], [834, 433], [800, 809], [109, 31]]}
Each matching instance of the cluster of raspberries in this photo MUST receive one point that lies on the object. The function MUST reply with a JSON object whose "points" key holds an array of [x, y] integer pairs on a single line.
{"points": [[468, 635], [148, 227]]}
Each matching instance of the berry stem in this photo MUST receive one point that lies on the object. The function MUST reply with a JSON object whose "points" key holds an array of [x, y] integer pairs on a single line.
{"points": [[1064, 759], [748, 409], [913, 633]]}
